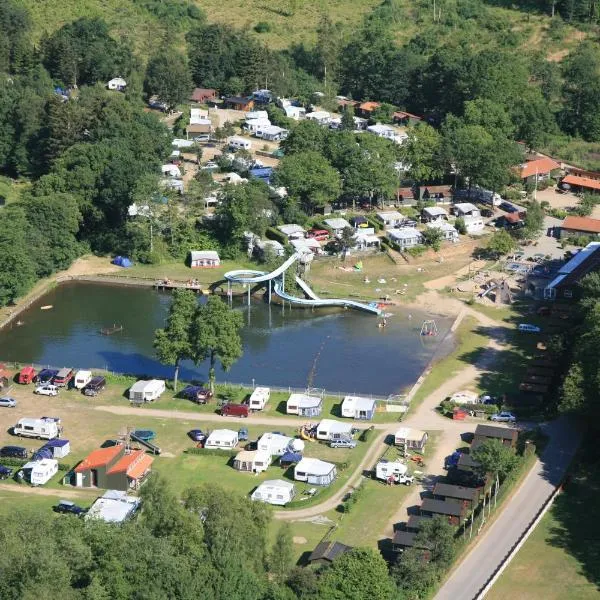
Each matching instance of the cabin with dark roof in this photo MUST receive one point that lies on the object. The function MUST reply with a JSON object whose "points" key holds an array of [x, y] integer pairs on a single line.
{"points": [[565, 284], [464, 496], [326, 552], [431, 507], [506, 435]]}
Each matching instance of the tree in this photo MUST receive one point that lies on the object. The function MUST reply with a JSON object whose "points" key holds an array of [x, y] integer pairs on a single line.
{"points": [[421, 153], [347, 240], [534, 219], [494, 457], [348, 119], [216, 336], [414, 576], [501, 243], [356, 575], [309, 177], [173, 343], [460, 226], [437, 535], [168, 77], [281, 558], [307, 136], [433, 237], [572, 394]]}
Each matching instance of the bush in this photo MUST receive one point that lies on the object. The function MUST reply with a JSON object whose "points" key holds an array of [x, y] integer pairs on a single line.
{"points": [[347, 505], [376, 225], [416, 251], [366, 434], [211, 452], [262, 27], [460, 226], [275, 234]]}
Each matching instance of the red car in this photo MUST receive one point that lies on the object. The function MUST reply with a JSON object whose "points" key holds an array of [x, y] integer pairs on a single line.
{"points": [[26, 375], [321, 235], [235, 410]]}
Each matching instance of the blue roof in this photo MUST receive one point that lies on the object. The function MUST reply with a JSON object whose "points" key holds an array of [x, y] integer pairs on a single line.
{"points": [[261, 172], [56, 443], [291, 457]]}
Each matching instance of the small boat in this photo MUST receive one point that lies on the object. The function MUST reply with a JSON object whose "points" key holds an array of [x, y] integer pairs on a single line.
{"points": [[46, 307]]}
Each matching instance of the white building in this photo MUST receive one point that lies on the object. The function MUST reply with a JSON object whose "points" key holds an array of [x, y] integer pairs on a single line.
{"points": [[170, 170], [224, 439], [405, 237], [113, 507], [315, 471], [259, 398], [295, 112], [337, 225], [147, 391], [274, 491], [292, 231], [328, 429], [434, 213], [390, 219], [320, 116], [474, 224], [366, 238], [255, 461], [117, 83], [466, 209], [304, 405], [356, 407], [448, 231], [275, 444]]}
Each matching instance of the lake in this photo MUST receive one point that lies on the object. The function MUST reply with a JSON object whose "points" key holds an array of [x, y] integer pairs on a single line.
{"points": [[339, 350]]}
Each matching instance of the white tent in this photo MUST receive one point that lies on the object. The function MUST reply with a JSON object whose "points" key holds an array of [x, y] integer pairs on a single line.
{"points": [[329, 429], [314, 471], [274, 443], [275, 491], [224, 439], [255, 461]]}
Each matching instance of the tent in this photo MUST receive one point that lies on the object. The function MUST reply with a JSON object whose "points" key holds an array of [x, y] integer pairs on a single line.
{"points": [[122, 261], [290, 458]]}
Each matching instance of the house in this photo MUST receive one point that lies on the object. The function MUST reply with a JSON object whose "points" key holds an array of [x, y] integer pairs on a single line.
{"points": [[337, 225], [466, 209], [253, 125], [391, 218], [454, 512], [579, 226], [366, 238], [564, 285], [146, 391], [403, 540], [114, 507], [295, 112], [405, 195], [204, 258], [223, 439], [439, 193], [474, 224], [430, 214], [464, 496], [271, 133], [539, 169], [114, 467], [171, 170], [401, 117], [292, 231], [405, 237], [319, 116], [315, 471], [506, 435], [326, 552], [366, 109], [202, 95], [117, 83], [254, 461], [411, 439], [304, 405], [328, 429], [580, 183], [355, 407], [276, 444], [239, 103], [449, 232], [415, 522], [259, 398], [274, 491]]}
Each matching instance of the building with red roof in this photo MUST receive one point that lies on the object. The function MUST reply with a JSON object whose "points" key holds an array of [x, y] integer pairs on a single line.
{"points": [[541, 168]]}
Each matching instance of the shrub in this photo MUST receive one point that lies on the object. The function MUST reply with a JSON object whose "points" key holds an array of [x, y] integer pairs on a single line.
{"points": [[460, 226], [416, 251], [262, 27], [211, 452], [275, 234], [347, 505], [366, 434]]}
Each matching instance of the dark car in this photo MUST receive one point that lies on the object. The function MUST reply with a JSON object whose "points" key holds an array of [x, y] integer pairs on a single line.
{"points": [[46, 376], [196, 393], [243, 434], [69, 508], [5, 472], [197, 435], [94, 386], [14, 452]]}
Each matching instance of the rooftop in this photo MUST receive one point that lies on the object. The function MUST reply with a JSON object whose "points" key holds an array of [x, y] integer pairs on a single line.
{"points": [[98, 458], [582, 223], [493, 431], [541, 165], [455, 491], [359, 402], [113, 507], [314, 466], [337, 223], [304, 401], [465, 207], [441, 507], [328, 551], [408, 433], [435, 211]]}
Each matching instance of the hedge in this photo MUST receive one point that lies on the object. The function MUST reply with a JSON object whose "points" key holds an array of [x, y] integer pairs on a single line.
{"points": [[274, 234], [376, 225], [212, 452], [19, 462]]}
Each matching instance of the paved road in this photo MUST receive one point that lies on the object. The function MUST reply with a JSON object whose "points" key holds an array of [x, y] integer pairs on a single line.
{"points": [[479, 565]]}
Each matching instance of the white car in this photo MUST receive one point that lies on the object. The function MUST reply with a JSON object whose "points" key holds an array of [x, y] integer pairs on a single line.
{"points": [[8, 402], [527, 328], [503, 417], [46, 390]]}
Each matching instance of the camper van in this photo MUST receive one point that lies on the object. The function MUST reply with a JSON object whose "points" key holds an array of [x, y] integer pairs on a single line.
{"points": [[82, 378], [235, 410], [46, 429], [63, 377], [40, 472], [94, 386], [236, 143], [393, 472]]}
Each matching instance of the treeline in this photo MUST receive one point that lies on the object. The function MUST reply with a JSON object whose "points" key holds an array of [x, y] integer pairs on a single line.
{"points": [[207, 544]]}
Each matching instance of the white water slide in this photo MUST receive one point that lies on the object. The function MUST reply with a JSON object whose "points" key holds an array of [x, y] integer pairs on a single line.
{"points": [[249, 277]]}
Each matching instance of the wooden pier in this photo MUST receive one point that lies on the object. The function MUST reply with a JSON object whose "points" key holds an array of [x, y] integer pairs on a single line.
{"points": [[110, 330], [169, 284]]}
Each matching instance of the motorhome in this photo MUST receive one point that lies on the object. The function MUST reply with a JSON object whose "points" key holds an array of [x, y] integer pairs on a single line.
{"points": [[46, 429]]}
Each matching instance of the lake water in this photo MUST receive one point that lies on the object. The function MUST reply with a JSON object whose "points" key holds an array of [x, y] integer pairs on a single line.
{"points": [[332, 349]]}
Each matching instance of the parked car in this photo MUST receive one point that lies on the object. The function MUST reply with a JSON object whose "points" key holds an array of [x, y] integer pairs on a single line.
{"points": [[197, 435], [503, 417], [321, 235], [196, 393], [69, 508], [14, 452], [528, 328], [63, 377], [210, 166], [485, 399], [26, 375], [45, 376], [46, 390], [342, 444], [95, 386], [243, 434], [235, 410], [5, 472], [8, 402]]}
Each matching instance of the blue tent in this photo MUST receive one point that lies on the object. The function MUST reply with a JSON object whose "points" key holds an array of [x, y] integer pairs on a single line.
{"points": [[290, 458], [122, 261]]}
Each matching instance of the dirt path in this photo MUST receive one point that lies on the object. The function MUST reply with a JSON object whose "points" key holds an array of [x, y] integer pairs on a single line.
{"points": [[66, 492]]}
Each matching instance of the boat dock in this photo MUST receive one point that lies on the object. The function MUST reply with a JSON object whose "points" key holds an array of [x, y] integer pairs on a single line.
{"points": [[110, 330], [169, 284]]}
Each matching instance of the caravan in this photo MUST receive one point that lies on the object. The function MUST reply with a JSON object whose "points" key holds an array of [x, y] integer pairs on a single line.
{"points": [[39, 472], [146, 391], [259, 398], [82, 378], [393, 472], [238, 143], [47, 429]]}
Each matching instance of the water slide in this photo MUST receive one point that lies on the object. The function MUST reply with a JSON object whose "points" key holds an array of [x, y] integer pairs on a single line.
{"points": [[250, 276], [152, 447]]}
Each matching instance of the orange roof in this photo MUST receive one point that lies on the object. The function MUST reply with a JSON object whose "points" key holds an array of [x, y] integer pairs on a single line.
{"points": [[585, 182], [582, 224], [402, 114], [140, 467], [129, 463], [99, 458], [369, 106], [540, 165]]}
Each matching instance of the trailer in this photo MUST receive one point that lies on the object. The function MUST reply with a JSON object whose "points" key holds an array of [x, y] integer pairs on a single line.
{"points": [[259, 398], [393, 472], [39, 472], [82, 378]]}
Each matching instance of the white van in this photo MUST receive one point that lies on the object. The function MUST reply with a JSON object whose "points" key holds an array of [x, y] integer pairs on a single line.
{"points": [[46, 429], [82, 378], [237, 143], [527, 328], [40, 472]]}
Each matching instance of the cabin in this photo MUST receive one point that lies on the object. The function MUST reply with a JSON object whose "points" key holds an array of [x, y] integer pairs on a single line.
{"points": [[454, 512], [276, 444], [253, 461], [438, 193], [223, 439], [117, 84], [432, 214], [415, 522], [565, 284], [366, 109], [401, 117], [410, 439], [506, 435], [315, 471], [114, 467], [474, 224], [538, 169], [202, 95], [326, 552], [405, 195], [337, 225], [465, 496], [356, 407], [113, 507], [146, 391], [259, 398], [467, 463], [581, 181], [238, 103], [319, 116], [405, 237], [274, 491], [304, 405], [466, 209], [573, 226], [390, 219], [207, 259], [329, 429], [448, 231]]}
